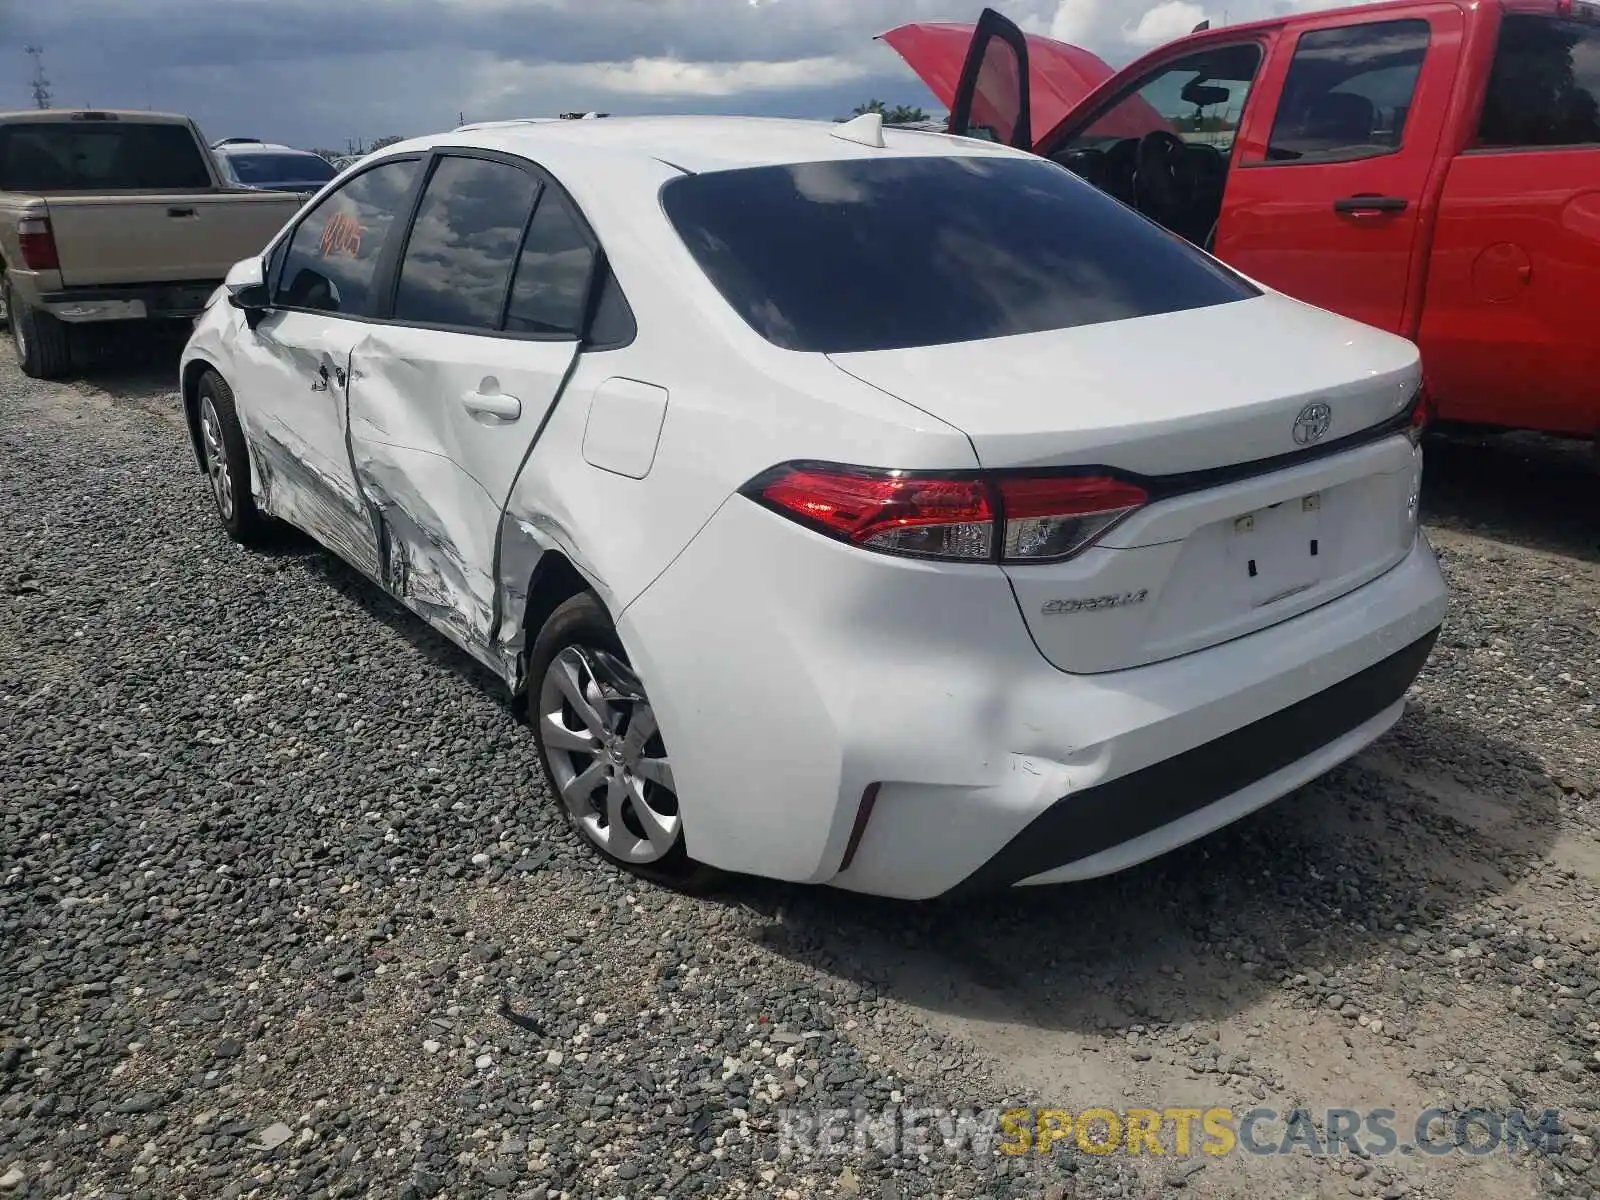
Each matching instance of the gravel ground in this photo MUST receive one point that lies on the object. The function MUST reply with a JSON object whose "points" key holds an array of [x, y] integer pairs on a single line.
{"points": [[284, 908]]}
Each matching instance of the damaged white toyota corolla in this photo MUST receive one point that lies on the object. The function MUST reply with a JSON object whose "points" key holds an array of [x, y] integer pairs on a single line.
{"points": [[847, 505]]}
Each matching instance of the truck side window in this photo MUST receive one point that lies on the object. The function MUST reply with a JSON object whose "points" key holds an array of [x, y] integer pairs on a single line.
{"points": [[333, 252], [1544, 88], [1164, 145], [1348, 92]]}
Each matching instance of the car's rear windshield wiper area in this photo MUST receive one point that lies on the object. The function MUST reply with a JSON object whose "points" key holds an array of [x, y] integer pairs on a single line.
{"points": [[899, 251]]}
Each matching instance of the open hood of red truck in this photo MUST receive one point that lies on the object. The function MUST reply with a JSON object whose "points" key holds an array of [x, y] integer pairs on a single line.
{"points": [[1060, 75]]}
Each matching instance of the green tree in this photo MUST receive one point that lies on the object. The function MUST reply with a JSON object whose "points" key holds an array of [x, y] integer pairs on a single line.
{"points": [[898, 114]]}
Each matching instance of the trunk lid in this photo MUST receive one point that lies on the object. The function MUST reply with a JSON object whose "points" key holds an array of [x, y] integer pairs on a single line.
{"points": [[1212, 556], [162, 237]]}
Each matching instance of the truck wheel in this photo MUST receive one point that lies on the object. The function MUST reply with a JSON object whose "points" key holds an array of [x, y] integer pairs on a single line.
{"points": [[43, 344]]}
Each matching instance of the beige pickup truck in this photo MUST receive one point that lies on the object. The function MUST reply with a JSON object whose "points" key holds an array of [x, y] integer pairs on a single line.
{"points": [[114, 216]]}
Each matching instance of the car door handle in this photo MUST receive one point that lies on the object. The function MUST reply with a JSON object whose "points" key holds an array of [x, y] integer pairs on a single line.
{"points": [[1369, 202], [180, 213], [493, 404]]}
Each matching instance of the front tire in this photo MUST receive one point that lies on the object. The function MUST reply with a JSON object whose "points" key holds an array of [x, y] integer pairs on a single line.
{"points": [[601, 749], [43, 344], [226, 460]]}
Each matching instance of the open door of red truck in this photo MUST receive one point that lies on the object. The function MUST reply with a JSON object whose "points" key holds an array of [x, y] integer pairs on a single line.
{"points": [[1427, 168], [991, 75]]}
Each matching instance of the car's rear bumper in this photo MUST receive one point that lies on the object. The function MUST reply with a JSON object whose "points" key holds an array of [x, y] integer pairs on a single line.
{"points": [[793, 677], [1147, 812]]}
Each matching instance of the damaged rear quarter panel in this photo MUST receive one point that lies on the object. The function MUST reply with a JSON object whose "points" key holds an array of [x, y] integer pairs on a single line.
{"points": [[735, 407], [727, 420]]}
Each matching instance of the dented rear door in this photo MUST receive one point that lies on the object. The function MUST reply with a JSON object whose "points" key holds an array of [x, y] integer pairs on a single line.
{"points": [[440, 424], [448, 395]]}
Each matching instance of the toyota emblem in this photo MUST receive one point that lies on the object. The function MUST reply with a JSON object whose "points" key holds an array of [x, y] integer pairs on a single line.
{"points": [[1312, 424]]}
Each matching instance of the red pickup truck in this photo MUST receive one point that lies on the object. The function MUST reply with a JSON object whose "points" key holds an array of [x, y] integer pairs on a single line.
{"points": [[1431, 167]]}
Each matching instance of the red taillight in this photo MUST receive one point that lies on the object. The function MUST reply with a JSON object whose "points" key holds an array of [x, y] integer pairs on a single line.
{"points": [[887, 510], [1052, 517], [38, 244], [976, 518]]}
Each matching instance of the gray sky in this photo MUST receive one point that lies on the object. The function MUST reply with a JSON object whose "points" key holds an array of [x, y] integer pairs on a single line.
{"points": [[318, 72]]}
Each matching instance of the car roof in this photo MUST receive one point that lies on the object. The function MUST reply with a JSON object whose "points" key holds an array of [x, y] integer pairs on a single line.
{"points": [[132, 115], [697, 144], [259, 147]]}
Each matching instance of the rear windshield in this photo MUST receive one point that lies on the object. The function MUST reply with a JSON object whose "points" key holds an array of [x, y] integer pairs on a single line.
{"points": [[259, 169], [879, 254], [100, 156]]}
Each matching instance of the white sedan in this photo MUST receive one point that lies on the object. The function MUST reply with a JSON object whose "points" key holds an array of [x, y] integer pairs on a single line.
{"points": [[846, 505]]}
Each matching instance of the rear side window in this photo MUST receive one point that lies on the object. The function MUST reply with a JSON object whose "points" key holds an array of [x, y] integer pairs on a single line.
{"points": [[333, 254], [553, 272], [1348, 92], [463, 244], [1544, 89], [877, 254], [100, 156]]}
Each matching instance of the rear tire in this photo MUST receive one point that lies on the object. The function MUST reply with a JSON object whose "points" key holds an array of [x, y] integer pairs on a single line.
{"points": [[226, 460], [43, 344], [601, 751]]}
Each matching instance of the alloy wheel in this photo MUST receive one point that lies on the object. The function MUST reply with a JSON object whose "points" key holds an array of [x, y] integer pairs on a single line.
{"points": [[216, 456], [606, 756]]}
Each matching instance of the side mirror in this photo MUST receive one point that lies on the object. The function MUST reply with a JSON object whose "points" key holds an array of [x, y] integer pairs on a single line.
{"points": [[253, 298], [250, 297]]}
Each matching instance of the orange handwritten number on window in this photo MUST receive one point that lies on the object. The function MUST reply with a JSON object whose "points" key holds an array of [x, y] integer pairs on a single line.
{"points": [[342, 236]]}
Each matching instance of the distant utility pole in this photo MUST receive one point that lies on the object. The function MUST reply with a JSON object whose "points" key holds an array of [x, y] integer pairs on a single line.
{"points": [[461, 118], [41, 85]]}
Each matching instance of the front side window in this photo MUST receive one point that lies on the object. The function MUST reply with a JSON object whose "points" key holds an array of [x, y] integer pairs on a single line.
{"points": [[879, 254], [1164, 147], [463, 244], [1199, 98], [333, 254], [1544, 89], [1348, 92]]}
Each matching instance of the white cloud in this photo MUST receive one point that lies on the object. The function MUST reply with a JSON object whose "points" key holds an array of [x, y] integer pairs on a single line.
{"points": [[1165, 22], [495, 83], [1074, 21], [672, 77], [1117, 30], [375, 67]]}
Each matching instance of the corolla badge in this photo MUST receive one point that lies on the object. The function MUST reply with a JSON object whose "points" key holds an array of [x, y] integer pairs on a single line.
{"points": [[1312, 424], [1056, 608]]}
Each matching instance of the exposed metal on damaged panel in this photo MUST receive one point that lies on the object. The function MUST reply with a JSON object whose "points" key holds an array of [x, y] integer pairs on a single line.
{"points": [[290, 488]]}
